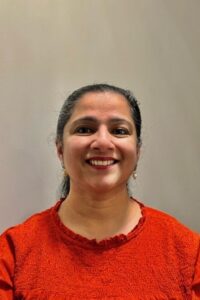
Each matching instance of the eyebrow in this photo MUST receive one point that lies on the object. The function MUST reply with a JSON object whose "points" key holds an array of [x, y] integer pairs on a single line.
{"points": [[95, 120]]}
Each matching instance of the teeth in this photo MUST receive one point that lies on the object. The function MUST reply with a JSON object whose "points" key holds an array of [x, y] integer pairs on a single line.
{"points": [[101, 162]]}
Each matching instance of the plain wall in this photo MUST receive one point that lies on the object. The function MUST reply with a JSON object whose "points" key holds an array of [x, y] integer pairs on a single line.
{"points": [[49, 48]]}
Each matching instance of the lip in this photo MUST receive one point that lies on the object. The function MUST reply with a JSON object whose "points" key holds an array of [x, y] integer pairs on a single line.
{"points": [[101, 158], [100, 166]]}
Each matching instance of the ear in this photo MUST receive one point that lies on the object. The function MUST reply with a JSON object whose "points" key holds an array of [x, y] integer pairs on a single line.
{"points": [[59, 147]]}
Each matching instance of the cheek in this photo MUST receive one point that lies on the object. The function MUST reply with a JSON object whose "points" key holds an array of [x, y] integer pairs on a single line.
{"points": [[132, 156], [73, 149], [129, 150], [131, 159]]}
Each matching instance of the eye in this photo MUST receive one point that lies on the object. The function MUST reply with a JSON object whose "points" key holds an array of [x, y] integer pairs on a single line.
{"points": [[120, 131], [83, 130]]}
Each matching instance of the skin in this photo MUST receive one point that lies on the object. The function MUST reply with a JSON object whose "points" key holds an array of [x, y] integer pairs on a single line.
{"points": [[100, 129]]}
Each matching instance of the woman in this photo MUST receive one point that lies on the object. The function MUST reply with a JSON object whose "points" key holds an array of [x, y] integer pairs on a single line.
{"points": [[97, 242]]}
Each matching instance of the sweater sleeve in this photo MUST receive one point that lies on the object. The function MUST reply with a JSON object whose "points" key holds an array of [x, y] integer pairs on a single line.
{"points": [[6, 267], [196, 280]]}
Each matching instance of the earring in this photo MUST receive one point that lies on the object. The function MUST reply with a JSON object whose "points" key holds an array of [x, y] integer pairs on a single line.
{"points": [[134, 175]]}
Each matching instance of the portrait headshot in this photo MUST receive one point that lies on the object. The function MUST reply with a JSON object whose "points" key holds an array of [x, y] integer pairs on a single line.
{"points": [[100, 150]]}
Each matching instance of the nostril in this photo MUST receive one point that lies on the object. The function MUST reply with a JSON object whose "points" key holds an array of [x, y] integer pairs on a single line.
{"points": [[102, 144]]}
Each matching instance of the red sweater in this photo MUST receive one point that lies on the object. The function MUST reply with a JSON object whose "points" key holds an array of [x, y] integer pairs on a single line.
{"points": [[42, 259]]}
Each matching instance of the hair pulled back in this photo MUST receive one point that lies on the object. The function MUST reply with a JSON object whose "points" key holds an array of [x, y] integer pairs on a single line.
{"points": [[68, 108]]}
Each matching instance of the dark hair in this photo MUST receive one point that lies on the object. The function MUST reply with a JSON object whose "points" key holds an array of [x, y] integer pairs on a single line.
{"points": [[70, 103]]}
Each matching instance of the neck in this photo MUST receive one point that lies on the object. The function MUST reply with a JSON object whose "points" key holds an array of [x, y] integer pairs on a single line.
{"points": [[99, 215], [93, 204]]}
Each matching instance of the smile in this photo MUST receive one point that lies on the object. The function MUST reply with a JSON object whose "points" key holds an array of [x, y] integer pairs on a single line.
{"points": [[101, 162]]}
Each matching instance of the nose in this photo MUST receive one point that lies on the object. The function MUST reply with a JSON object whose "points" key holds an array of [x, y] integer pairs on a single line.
{"points": [[102, 140]]}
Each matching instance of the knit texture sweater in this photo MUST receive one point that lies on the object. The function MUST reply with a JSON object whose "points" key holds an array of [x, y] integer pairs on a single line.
{"points": [[42, 259]]}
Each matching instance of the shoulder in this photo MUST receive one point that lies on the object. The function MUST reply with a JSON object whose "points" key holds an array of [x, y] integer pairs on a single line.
{"points": [[31, 229], [173, 233], [168, 222]]}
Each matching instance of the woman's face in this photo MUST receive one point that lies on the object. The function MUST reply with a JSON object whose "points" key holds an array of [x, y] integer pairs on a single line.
{"points": [[99, 148]]}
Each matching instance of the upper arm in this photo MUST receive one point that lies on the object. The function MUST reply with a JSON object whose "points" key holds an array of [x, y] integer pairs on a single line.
{"points": [[6, 267], [196, 279]]}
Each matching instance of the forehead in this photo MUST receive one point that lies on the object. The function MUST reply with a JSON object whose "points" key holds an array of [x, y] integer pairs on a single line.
{"points": [[106, 104]]}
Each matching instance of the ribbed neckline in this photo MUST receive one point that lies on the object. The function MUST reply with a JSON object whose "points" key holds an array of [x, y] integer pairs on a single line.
{"points": [[84, 242]]}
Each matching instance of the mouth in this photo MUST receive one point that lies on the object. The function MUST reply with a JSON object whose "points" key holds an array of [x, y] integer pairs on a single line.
{"points": [[101, 162]]}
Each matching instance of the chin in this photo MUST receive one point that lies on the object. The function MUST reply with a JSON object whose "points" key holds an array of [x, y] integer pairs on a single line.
{"points": [[103, 187]]}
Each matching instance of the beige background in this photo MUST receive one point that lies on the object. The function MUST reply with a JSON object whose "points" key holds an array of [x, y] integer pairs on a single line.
{"points": [[49, 48]]}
